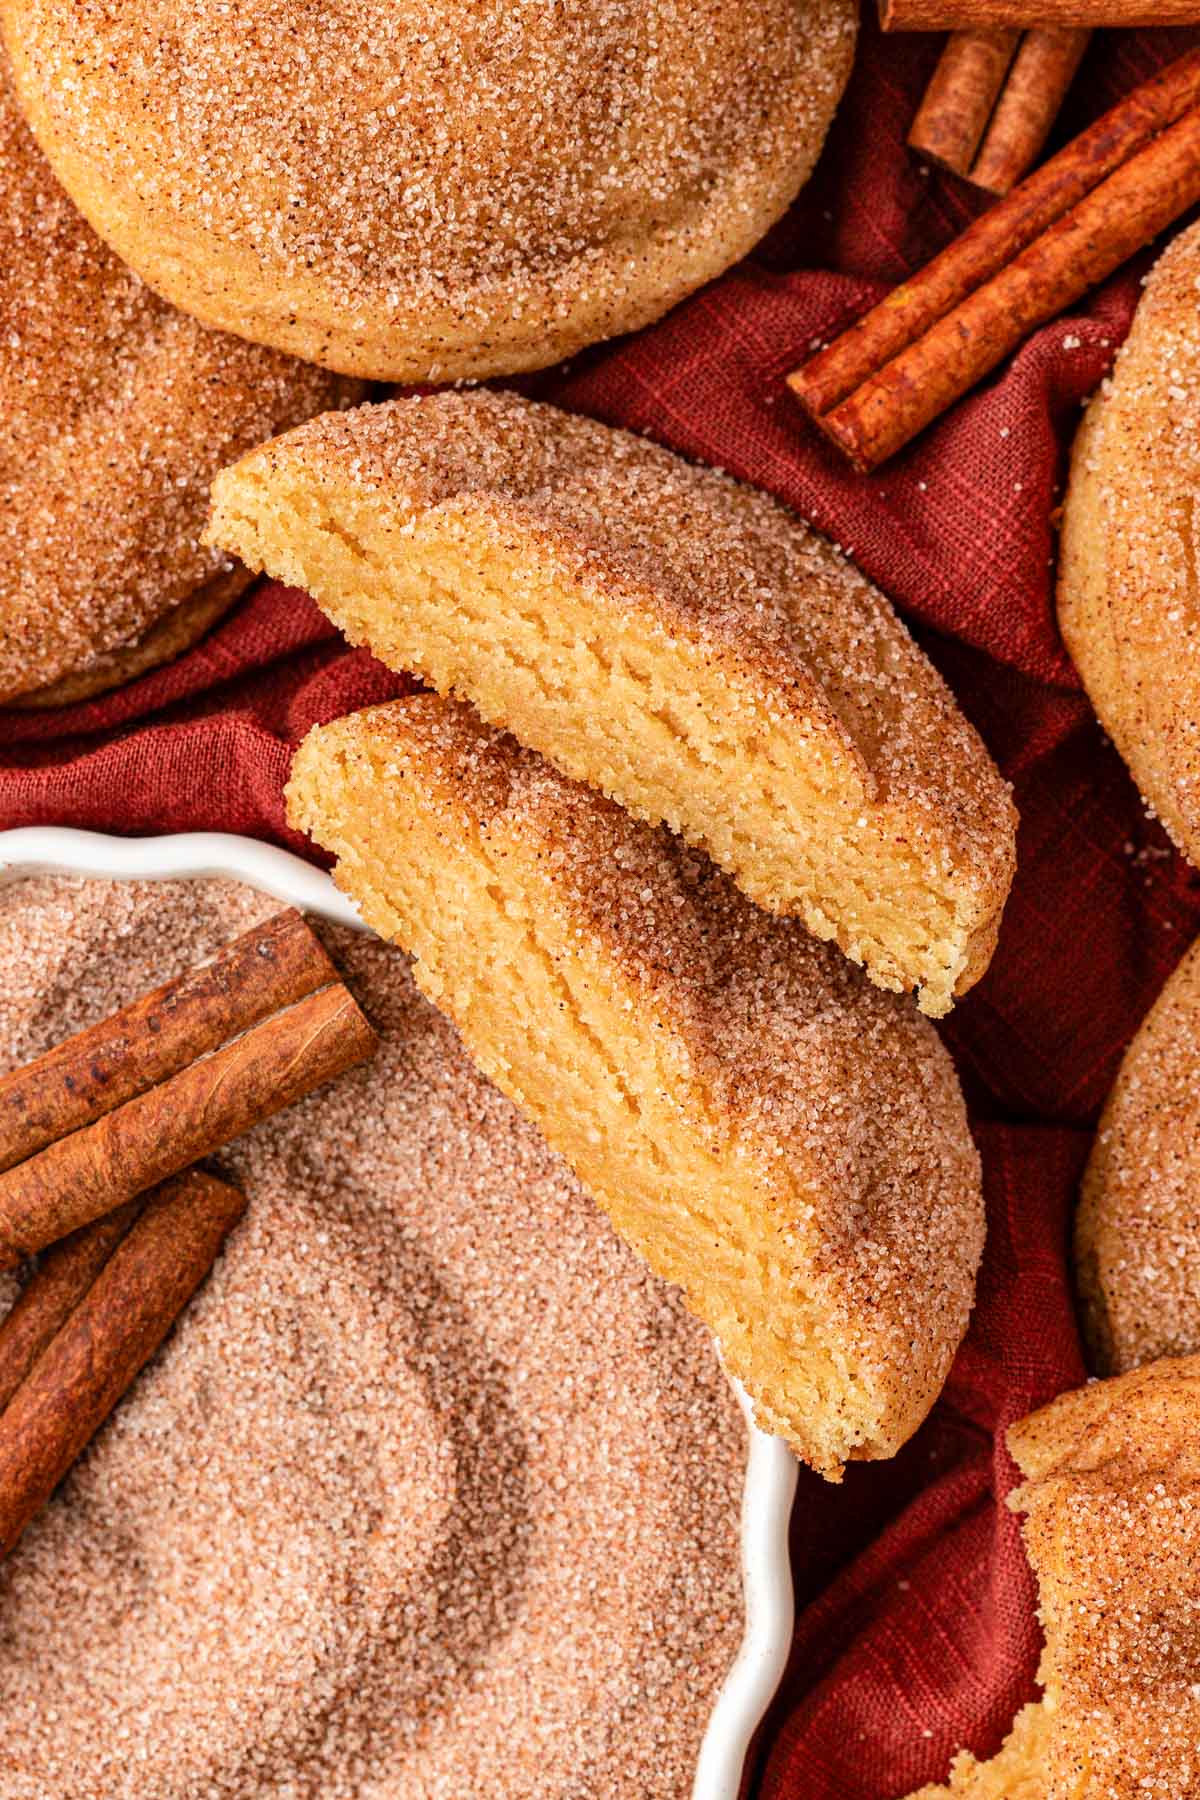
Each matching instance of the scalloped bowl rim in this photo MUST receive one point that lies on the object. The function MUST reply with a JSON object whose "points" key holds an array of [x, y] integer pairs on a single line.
{"points": [[770, 1466]]}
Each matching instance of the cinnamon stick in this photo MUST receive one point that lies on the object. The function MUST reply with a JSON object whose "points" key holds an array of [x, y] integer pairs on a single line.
{"points": [[108, 1337], [194, 1112], [960, 98], [955, 15], [270, 967], [1110, 224], [49, 1298], [996, 238], [1034, 88]]}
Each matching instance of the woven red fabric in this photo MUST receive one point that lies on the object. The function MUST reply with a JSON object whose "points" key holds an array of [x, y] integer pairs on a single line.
{"points": [[915, 1628]]}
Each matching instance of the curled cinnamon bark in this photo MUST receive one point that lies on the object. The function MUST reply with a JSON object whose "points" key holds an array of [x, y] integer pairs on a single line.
{"points": [[49, 1298], [997, 237], [161, 1131], [1104, 196], [1126, 212], [978, 15], [92, 1073], [960, 98], [1034, 88], [107, 1338]]}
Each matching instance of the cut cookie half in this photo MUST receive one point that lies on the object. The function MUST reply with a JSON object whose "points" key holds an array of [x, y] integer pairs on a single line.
{"points": [[679, 641], [780, 1139]]}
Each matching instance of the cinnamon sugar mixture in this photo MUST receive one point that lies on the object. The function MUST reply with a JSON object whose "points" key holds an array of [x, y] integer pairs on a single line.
{"points": [[434, 1491]]}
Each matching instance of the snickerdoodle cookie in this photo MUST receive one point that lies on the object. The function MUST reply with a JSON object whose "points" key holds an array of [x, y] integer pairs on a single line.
{"points": [[1137, 1232], [115, 412], [782, 1140], [1128, 599], [430, 189], [676, 639]]}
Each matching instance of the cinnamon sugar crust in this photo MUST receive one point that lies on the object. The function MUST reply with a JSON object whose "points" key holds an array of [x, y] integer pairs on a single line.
{"points": [[426, 192], [678, 640], [114, 412], [1137, 1231], [174, 633], [785, 1142], [1128, 600], [1112, 1528]]}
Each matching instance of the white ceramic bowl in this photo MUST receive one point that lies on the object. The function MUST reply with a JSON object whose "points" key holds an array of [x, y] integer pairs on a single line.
{"points": [[770, 1467]]}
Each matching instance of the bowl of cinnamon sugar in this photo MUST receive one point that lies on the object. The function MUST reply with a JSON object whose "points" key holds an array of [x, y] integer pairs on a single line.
{"points": [[426, 1487]]}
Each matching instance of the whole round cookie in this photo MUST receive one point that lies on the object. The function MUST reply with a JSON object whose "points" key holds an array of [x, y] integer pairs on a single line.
{"points": [[1127, 594], [1137, 1231], [430, 189], [115, 412]]}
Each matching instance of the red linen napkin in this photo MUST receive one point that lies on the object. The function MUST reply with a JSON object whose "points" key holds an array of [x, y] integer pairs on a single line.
{"points": [[915, 1629]]}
